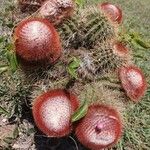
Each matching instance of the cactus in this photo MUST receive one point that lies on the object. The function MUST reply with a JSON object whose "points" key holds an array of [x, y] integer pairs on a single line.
{"points": [[90, 54], [37, 40], [96, 27], [69, 32], [86, 28], [103, 59]]}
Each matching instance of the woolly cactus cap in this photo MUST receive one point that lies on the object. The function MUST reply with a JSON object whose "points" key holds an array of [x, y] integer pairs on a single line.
{"points": [[36, 40], [120, 49], [113, 12], [56, 10], [52, 112], [101, 127], [133, 82]]}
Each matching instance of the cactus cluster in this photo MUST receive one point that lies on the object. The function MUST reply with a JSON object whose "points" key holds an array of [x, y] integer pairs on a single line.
{"points": [[87, 27], [82, 58]]}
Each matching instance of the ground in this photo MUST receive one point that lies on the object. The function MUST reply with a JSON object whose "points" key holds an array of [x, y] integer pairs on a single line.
{"points": [[137, 132]]}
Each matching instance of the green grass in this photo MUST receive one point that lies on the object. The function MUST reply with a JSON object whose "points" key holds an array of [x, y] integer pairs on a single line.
{"points": [[136, 134]]}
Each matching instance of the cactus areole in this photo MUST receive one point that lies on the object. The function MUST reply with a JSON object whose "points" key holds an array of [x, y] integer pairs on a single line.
{"points": [[37, 40], [52, 112], [101, 127], [133, 82], [113, 12]]}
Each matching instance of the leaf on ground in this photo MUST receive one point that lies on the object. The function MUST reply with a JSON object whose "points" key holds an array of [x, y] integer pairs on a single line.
{"points": [[81, 112], [80, 2], [136, 37], [16, 132], [12, 59], [73, 66], [3, 111], [142, 43]]}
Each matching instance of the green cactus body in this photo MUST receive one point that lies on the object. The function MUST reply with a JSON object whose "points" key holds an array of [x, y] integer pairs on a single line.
{"points": [[69, 32], [86, 28], [99, 61], [95, 27], [104, 92], [106, 60]]}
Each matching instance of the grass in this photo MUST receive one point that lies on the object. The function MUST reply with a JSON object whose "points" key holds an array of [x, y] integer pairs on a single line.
{"points": [[13, 92]]}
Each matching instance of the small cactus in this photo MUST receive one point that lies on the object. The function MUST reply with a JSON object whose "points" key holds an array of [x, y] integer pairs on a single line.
{"points": [[113, 12], [133, 82]]}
